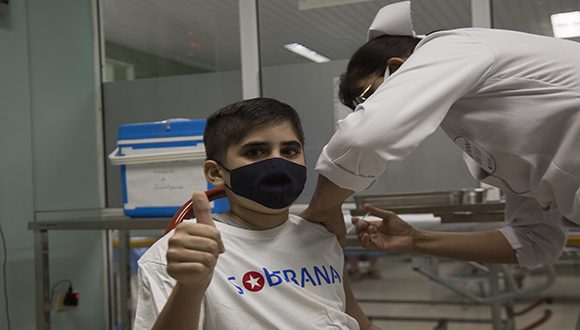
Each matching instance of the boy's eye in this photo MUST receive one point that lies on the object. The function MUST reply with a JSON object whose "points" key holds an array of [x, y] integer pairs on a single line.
{"points": [[254, 152], [291, 152]]}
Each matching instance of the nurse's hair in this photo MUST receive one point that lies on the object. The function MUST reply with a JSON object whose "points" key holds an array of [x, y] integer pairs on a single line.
{"points": [[233, 122], [371, 60]]}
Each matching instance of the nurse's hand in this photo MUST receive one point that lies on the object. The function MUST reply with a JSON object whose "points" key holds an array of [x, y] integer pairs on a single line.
{"points": [[333, 220], [194, 248], [391, 234]]}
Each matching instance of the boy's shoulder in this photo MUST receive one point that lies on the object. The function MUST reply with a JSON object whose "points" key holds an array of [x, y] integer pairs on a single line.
{"points": [[314, 227], [156, 252]]}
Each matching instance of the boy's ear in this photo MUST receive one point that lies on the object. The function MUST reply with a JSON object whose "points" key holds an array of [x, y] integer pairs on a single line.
{"points": [[213, 173]]}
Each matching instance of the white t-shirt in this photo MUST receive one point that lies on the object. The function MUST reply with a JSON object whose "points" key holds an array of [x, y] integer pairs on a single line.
{"points": [[288, 277], [510, 100]]}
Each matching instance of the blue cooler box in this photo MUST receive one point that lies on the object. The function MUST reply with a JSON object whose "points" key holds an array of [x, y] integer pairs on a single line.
{"points": [[161, 165]]}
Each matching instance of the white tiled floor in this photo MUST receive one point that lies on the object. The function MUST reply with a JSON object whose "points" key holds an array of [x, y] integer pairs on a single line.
{"points": [[399, 281]]}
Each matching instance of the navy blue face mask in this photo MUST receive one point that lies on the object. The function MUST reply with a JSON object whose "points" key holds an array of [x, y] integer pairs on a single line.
{"points": [[274, 183]]}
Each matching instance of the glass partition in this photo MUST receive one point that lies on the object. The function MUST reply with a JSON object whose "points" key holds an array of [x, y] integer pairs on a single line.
{"points": [[169, 38], [546, 18], [166, 59], [335, 29]]}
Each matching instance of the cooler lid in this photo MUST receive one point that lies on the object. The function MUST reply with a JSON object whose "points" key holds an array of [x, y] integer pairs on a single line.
{"points": [[162, 129]]}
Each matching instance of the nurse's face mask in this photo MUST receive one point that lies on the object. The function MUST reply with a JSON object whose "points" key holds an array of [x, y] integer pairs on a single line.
{"points": [[274, 183], [370, 88]]}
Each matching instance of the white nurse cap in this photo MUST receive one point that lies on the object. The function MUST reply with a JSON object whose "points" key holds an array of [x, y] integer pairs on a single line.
{"points": [[393, 19]]}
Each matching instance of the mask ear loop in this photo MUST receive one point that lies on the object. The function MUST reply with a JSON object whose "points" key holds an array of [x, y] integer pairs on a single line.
{"points": [[227, 170], [220, 164]]}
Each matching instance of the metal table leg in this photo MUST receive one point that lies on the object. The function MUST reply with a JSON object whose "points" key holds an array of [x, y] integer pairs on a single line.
{"points": [[125, 279], [496, 319], [111, 301], [41, 274]]}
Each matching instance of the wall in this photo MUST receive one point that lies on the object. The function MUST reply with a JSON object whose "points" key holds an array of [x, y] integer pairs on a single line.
{"points": [[16, 184], [50, 155]]}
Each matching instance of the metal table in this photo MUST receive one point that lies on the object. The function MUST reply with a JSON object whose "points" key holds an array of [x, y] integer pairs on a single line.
{"points": [[454, 213], [106, 220]]}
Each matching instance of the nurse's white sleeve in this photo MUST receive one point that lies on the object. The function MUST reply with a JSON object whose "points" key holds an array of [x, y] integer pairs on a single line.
{"points": [[405, 109], [536, 235]]}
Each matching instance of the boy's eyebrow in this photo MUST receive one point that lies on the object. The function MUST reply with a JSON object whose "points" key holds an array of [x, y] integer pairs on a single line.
{"points": [[262, 144], [254, 144], [292, 143]]}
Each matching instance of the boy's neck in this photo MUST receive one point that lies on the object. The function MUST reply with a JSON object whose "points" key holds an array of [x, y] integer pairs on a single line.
{"points": [[257, 220]]}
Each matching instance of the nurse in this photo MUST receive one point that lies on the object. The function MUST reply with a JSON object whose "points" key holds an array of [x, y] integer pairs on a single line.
{"points": [[510, 100]]}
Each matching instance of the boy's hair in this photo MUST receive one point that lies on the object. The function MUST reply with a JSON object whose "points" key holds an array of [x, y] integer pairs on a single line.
{"points": [[371, 59], [233, 122]]}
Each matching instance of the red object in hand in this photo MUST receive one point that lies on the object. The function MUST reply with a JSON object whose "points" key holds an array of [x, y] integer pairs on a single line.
{"points": [[186, 211]]}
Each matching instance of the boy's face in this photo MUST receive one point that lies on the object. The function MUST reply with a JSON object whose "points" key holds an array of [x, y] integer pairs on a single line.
{"points": [[276, 141]]}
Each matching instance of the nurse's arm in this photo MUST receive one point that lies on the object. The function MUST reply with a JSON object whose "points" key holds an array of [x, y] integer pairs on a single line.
{"points": [[405, 110], [394, 234], [326, 207], [488, 246], [327, 197]]}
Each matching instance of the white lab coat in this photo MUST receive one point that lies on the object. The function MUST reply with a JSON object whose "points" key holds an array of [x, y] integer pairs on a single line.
{"points": [[511, 100]]}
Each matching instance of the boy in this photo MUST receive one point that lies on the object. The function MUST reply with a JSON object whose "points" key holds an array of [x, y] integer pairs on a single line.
{"points": [[257, 266]]}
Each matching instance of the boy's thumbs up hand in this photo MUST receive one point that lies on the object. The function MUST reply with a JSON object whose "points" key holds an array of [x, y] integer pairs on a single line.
{"points": [[201, 208], [194, 248], [202, 211]]}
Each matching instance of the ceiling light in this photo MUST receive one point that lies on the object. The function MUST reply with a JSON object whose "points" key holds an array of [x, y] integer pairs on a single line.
{"points": [[566, 25], [306, 52], [311, 4]]}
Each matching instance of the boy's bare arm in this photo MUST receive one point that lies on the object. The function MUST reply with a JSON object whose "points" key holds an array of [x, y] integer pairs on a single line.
{"points": [[191, 258], [353, 308], [182, 309]]}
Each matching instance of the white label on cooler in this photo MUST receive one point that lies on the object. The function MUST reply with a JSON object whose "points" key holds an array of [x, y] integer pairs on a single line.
{"points": [[163, 184]]}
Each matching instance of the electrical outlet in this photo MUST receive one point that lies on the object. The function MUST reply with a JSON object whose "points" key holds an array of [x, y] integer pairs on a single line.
{"points": [[60, 306]]}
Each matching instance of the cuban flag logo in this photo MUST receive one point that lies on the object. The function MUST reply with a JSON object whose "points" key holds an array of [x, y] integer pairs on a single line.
{"points": [[314, 276], [253, 281]]}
